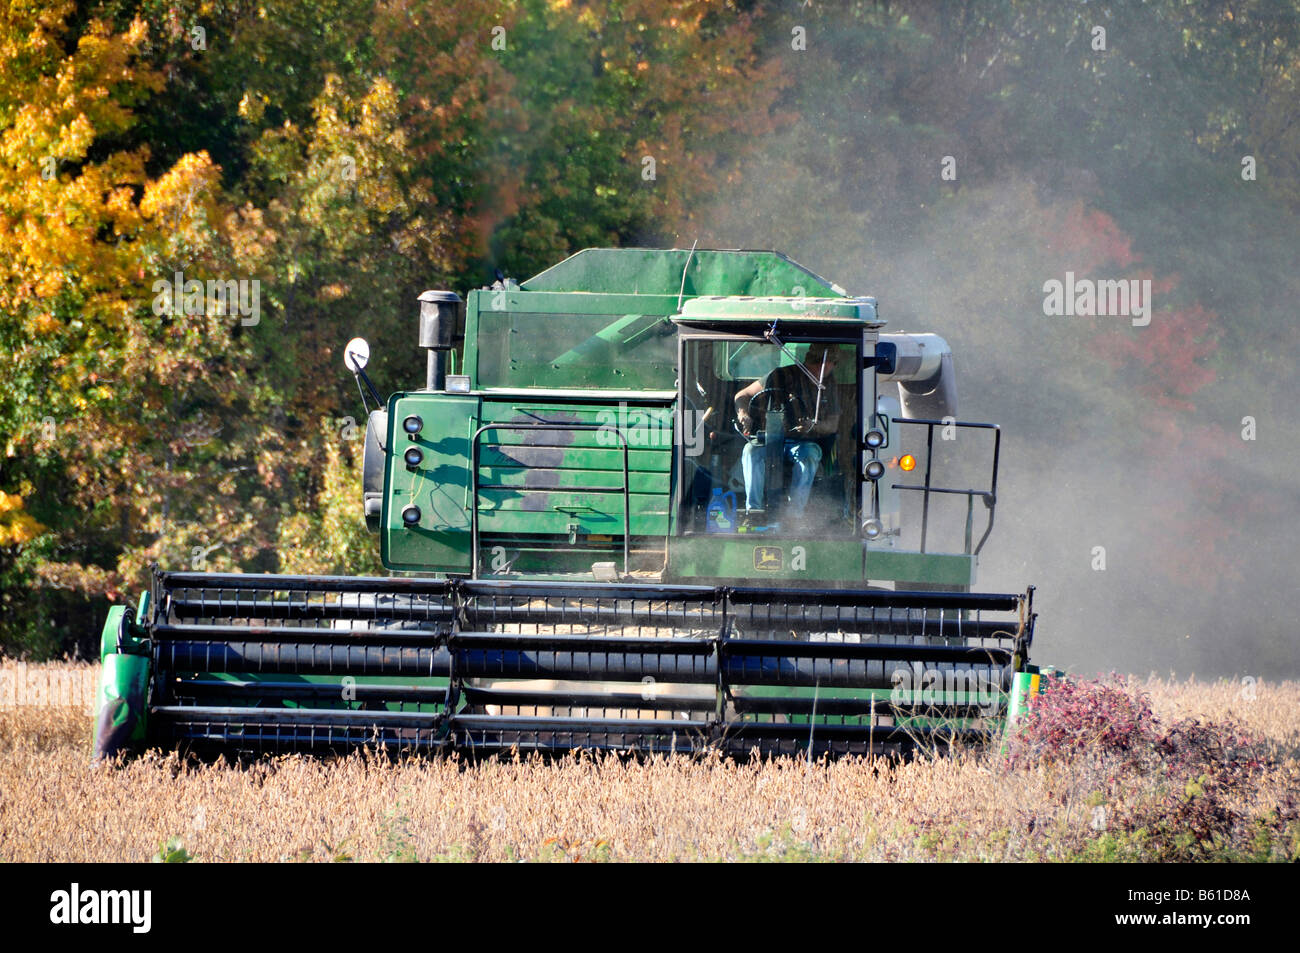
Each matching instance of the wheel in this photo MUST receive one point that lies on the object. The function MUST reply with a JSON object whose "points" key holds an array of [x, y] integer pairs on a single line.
{"points": [[771, 393]]}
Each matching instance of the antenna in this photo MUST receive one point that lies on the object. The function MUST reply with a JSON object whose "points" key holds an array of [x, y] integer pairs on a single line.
{"points": [[684, 267]]}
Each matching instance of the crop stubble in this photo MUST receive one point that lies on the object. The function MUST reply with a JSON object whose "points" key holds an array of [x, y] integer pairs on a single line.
{"points": [[55, 806]]}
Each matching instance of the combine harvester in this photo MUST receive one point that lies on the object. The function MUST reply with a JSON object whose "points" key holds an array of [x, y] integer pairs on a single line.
{"points": [[647, 500]]}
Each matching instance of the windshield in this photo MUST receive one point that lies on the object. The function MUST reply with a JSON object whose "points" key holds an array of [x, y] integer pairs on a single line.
{"points": [[612, 351], [777, 435]]}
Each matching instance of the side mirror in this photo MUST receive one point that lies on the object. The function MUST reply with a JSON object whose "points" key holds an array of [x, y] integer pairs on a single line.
{"points": [[356, 355]]}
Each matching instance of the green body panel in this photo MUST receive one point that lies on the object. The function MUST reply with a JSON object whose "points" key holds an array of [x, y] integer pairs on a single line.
{"points": [[727, 556], [1025, 685], [439, 486], [508, 510], [123, 683], [759, 557], [121, 704], [681, 270], [564, 484], [642, 481], [500, 452], [562, 562], [121, 633], [546, 483], [938, 569], [112, 631], [142, 613]]}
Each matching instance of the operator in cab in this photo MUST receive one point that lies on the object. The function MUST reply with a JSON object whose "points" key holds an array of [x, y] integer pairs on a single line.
{"points": [[806, 391]]}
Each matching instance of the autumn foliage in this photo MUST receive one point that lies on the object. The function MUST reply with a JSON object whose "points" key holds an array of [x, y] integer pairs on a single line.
{"points": [[322, 153], [348, 154]]}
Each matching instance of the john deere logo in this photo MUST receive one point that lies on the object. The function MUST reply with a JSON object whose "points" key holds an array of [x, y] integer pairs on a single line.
{"points": [[769, 558]]}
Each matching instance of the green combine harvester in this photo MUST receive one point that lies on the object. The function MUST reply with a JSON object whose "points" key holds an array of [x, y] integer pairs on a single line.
{"points": [[648, 500]]}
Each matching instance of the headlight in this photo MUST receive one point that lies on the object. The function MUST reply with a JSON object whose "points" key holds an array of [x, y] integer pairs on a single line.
{"points": [[412, 425], [413, 457], [872, 527], [874, 470], [875, 439], [410, 514]]}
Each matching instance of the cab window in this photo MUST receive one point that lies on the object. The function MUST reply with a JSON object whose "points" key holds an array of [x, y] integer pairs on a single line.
{"points": [[769, 437]]}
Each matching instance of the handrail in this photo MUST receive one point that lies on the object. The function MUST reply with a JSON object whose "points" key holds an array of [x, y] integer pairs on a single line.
{"points": [[626, 488], [989, 496]]}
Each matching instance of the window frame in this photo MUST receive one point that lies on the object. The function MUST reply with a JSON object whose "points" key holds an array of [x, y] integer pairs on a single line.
{"points": [[686, 336]]}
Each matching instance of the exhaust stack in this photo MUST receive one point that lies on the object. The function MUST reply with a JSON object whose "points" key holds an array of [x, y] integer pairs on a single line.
{"points": [[439, 314]]}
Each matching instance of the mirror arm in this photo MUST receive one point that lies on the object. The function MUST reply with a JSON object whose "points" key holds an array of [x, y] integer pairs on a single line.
{"points": [[361, 375]]}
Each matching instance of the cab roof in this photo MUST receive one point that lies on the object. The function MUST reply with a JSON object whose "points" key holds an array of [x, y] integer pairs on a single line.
{"points": [[785, 310], [683, 271]]}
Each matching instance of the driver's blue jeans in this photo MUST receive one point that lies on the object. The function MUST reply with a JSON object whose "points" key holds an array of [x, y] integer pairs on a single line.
{"points": [[804, 454]]}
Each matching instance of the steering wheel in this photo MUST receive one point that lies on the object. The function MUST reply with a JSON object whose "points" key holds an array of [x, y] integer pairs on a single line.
{"points": [[768, 392], [771, 393]]}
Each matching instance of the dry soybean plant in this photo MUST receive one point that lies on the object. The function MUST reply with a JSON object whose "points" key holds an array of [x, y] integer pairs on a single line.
{"points": [[54, 805]]}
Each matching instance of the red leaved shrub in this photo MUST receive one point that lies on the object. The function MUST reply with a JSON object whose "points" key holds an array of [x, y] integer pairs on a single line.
{"points": [[1198, 773], [1074, 716]]}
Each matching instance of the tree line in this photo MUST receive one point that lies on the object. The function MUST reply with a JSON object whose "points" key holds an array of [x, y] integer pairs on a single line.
{"points": [[345, 155]]}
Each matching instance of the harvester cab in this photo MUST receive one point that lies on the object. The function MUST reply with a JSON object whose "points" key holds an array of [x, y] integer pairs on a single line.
{"points": [[646, 499]]}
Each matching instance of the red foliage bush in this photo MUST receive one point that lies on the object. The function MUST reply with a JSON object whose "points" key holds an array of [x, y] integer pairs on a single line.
{"points": [[1201, 767], [1075, 716]]}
